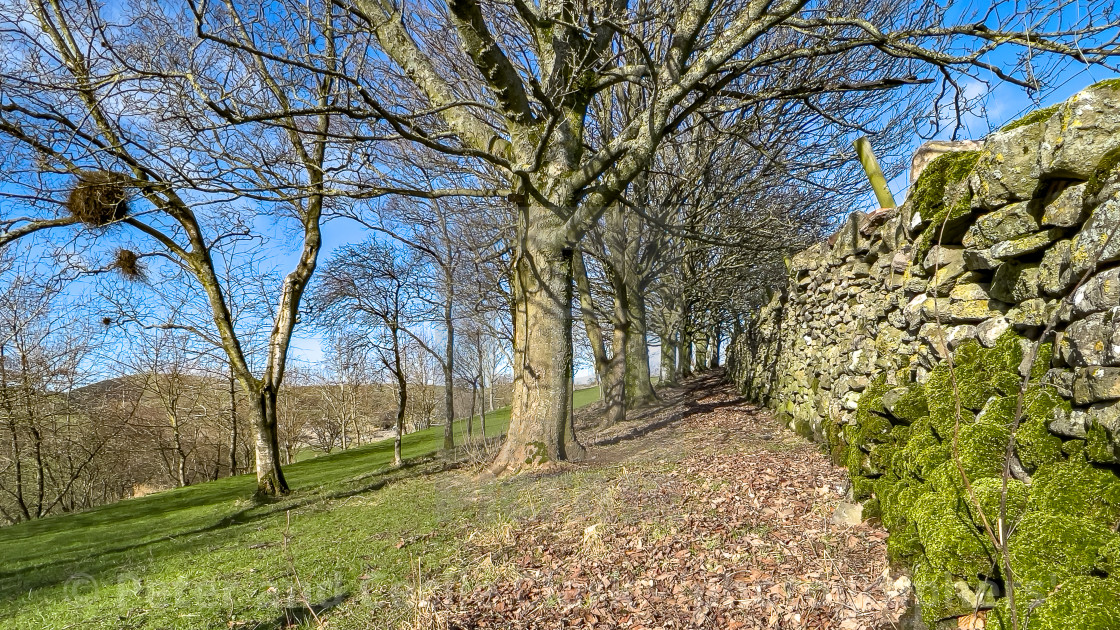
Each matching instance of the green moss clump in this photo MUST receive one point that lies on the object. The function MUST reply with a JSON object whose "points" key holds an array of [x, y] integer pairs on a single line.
{"points": [[1113, 84], [871, 426], [928, 195], [1037, 116], [922, 453], [1047, 548], [862, 487], [988, 492], [1107, 168], [1098, 447], [1073, 448], [1075, 487], [935, 590], [1108, 558], [1083, 602], [912, 405], [951, 541], [1034, 444], [999, 411], [1042, 361], [1001, 363]]}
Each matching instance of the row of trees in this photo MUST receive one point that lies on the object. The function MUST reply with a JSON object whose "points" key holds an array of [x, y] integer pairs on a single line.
{"points": [[653, 158], [92, 411]]}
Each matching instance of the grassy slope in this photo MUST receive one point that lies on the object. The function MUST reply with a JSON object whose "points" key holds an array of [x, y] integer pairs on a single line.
{"points": [[207, 557]]}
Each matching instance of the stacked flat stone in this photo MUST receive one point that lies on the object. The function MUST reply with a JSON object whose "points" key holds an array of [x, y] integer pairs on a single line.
{"points": [[992, 249]]}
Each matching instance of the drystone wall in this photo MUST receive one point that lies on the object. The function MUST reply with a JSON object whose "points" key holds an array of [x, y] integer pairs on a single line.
{"points": [[905, 345]]}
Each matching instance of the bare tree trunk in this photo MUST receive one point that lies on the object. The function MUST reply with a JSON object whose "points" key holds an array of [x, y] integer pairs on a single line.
{"points": [[402, 397], [670, 350], [639, 385], [232, 426], [701, 348], [717, 339], [609, 369], [482, 416], [470, 416], [270, 478], [541, 428], [180, 456], [449, 372]]}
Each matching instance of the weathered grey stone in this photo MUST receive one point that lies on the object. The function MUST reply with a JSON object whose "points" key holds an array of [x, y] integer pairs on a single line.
{"points": [[1054, 262], [1015, 282], [942, 256], [807, 259], [850, 383], [1106, 415], [847, 241], [1100, 292], [970, 291], [956, 335], [900, 261], [1061, 380], [1099, 238], [1094, 340], [1023, 245], [1067, 209], [1031, 313], [989, 330], [847, 514], [1017, 219], [931, 150], [972, 311], [945, 278], [1081, 132], [981, 259], [1074, 424], [1096, 384], [1008, 168]]}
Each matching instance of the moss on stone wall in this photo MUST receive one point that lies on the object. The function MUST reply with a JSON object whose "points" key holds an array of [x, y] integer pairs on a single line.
{"points": [[1037, 116], [1106, 169], [928, 195], [936, 520]]}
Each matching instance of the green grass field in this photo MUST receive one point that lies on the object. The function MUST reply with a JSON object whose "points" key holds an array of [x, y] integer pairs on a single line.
{"points": [[208, 556]]}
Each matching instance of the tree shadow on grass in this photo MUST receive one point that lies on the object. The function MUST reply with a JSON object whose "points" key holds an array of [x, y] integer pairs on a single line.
{"points": [[106, 560]]}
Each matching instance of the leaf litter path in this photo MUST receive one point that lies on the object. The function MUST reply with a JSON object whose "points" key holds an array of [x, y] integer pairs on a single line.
{"points": [[700, 513]]}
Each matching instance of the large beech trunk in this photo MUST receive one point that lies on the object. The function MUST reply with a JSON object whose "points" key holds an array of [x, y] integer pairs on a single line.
{"points": [[540, 429], [270, 478]]}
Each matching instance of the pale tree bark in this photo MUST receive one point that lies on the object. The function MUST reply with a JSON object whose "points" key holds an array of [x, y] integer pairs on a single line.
{"points": [[609, 367]]}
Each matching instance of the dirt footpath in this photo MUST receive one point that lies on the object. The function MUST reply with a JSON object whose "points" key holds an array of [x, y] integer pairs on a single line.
{"points": [[699, 513]]}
